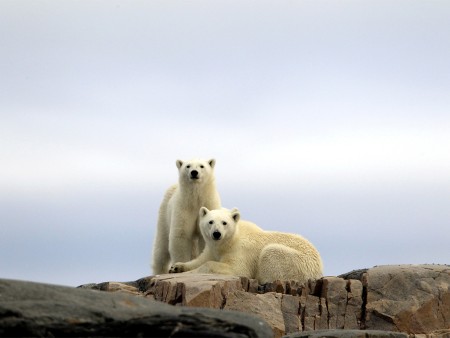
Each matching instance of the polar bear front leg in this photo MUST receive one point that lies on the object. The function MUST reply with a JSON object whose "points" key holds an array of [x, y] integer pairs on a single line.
{"points": [[191, 265], [180, 247], [214, 267], [181, 239], [161, 257], [210, 267]]}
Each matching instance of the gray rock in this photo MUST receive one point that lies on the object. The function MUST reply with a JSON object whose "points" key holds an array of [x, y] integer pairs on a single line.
{"points": [[42, 310], [347, 334], [408, 298], [354, 274]]}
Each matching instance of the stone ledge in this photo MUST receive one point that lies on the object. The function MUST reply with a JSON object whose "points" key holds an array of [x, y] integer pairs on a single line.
{"points": [[414, 299]]}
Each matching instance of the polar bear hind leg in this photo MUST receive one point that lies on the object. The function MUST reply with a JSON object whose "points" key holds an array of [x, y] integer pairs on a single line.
{"points": [[280, 262]]}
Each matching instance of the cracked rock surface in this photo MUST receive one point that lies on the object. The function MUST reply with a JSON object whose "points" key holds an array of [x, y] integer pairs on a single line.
{"points": [[40, 310], [410, 299], [413, 299], [402, 300]]}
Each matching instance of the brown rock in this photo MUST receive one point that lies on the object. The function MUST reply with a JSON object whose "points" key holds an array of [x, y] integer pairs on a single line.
{"points": [[310, 312], [276, 286], [196, 290], [129, 287], [408, 298], [322, 322], [334, 291], [290, 308], [253, 286], [353, 311], [341, 304], [266, 306], [293, 287]]}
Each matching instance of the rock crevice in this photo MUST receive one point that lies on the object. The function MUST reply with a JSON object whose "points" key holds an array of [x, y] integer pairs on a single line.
{"points": [[414, 299]]}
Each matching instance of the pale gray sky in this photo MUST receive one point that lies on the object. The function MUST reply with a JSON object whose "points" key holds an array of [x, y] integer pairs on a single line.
{"points": [[327, 118]]}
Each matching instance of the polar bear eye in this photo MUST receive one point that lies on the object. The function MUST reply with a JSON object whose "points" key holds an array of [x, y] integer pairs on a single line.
{"points": [[224, 223], [211, 222], [188, 166], [202, 166]]}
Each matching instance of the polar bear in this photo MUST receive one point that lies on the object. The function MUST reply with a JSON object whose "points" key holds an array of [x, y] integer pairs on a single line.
{"points": [[178, 238], [241, 248]]}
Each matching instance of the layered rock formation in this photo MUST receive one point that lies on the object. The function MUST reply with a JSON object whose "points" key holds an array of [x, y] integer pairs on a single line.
{"points": [[40, 310], [414, 299], [385, 301]]}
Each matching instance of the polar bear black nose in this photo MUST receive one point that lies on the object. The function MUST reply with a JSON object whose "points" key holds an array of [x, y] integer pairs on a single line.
{"points": [[194, 173], [216, 235]]}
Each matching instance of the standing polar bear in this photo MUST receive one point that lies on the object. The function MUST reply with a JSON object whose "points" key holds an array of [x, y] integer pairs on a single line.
{"points": [[241, 248], [178, 238]]}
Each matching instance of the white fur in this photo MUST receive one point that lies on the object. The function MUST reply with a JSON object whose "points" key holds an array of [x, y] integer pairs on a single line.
{"points": [[244, 249], [178, 238]]}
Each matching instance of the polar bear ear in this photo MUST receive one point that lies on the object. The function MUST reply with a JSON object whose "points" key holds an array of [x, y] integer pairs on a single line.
{"points": [[179, 163], [212, 162], [235, 214], [203, 211]]}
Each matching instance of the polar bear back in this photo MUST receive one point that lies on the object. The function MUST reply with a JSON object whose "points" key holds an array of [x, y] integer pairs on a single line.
{"points": [[252, 253], [249, 234]]}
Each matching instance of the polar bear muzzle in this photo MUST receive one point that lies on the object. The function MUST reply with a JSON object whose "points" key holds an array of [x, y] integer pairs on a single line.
{"points": [[216, 235], [194, 175]]}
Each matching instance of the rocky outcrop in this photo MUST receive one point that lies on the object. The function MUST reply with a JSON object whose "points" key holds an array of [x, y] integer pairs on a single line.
{"points": [[41, 310], [414, 299], [408, 299], [404, 300]]}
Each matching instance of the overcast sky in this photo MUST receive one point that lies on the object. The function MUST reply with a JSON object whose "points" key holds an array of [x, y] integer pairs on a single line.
{"points": [[327, 118]]}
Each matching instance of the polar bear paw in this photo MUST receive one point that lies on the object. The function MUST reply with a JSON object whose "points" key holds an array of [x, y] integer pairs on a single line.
{"points": [[177, 268]]}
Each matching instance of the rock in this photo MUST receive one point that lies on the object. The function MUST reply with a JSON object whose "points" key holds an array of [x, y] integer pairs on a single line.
{"points": [[408, 298], [41, 310], [355, 309], [331, 303], [354, 274], [334, 291], [413, 299], [347, 334], [266, 306], [130, 287], [196, 290], [310, 311], [290, 308]]}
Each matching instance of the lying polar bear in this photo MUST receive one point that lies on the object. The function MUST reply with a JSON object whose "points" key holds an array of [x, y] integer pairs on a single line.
{"points": [[241, 248]]}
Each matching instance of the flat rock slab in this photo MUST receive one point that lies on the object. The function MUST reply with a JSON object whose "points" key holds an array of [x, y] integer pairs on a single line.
{"points": [[42, 310], [194, 290]]}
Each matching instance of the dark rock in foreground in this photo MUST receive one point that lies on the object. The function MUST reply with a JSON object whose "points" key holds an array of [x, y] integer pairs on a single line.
{"points": [[41, 310]]}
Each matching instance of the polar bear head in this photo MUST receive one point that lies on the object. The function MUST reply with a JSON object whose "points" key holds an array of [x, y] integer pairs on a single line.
{"points": [[218, 226], [196, 171]]}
